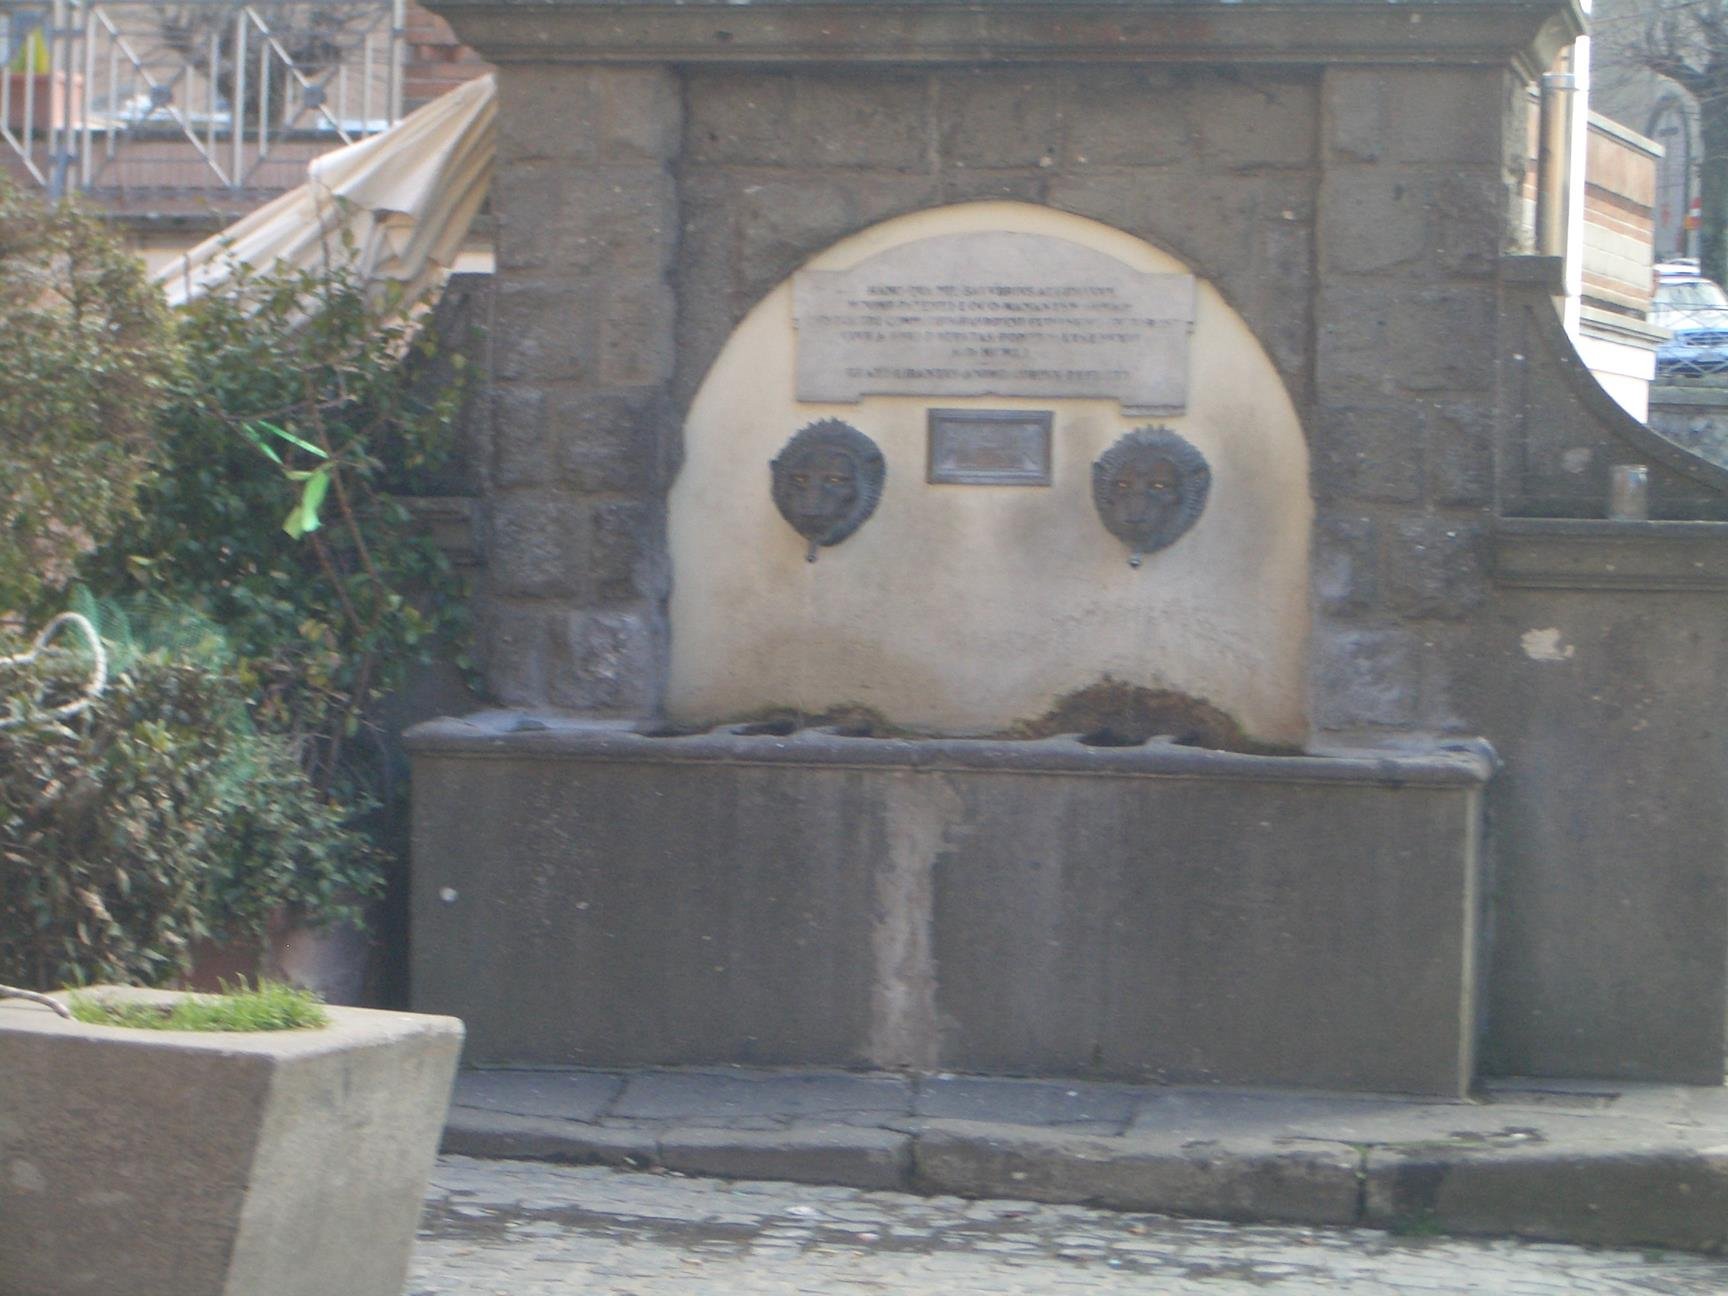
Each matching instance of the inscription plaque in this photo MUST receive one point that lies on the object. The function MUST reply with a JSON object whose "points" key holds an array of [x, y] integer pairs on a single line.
{"points": [[995, 314], [990, 447]]}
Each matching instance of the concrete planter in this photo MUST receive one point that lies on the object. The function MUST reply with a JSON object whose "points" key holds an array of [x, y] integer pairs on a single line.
{"points": [[288, 1163]]}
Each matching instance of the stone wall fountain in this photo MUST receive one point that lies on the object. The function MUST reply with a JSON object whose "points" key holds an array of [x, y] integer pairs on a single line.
{"points": [[1064, 539]]}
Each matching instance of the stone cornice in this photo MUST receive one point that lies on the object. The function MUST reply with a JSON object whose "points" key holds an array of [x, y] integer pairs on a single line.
{"points": [[1588, 553], [547, 735], [1526, 34]]}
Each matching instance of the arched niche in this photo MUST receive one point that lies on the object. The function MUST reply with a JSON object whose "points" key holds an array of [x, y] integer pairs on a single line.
{"points": [[967, 609]]}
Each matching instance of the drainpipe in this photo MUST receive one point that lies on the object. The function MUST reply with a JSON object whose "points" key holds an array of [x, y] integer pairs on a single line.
{"points": [[1554, 165]]}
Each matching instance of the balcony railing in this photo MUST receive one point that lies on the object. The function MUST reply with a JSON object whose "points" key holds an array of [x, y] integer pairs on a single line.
{"points": [[122, 96]]}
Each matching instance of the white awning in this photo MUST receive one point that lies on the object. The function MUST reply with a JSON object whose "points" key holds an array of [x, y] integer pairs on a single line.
{"points": [[403, 199]]}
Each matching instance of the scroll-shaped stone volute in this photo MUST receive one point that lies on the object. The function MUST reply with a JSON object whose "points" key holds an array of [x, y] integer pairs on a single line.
{"points": [[827, 480], [1149, 488]]}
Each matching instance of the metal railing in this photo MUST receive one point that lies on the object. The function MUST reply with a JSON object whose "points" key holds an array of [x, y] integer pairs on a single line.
{"points": [[226, 95]]}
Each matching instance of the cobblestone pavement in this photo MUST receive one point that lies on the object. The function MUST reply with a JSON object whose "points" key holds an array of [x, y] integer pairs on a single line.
{"points": [[514, 1228]]}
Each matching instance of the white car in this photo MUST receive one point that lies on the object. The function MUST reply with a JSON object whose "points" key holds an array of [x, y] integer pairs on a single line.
{"points": [[1695, 309]]}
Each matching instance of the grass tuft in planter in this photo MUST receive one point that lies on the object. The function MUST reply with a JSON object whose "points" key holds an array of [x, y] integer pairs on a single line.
{"points": [[268, 1006]]}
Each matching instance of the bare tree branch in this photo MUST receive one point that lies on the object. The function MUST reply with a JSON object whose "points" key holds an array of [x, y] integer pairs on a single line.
{"points": [[1686, 43]]}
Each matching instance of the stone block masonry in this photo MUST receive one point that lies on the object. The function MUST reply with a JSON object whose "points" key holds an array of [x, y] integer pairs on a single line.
{"points": [[643, 210], [587, 229], [1346, 176]]}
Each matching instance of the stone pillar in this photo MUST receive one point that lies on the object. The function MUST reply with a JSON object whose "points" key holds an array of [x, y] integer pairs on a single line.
{"points": [[1418, 174], [587, 227]]}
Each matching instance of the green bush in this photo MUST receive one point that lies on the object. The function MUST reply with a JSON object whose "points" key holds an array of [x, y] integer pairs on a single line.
{"points": [[88, 354], [158, 817], [232, 772], [294, 413]]}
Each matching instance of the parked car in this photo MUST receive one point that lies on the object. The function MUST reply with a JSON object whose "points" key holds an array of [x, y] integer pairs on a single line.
{"points": [[1695, 309]]}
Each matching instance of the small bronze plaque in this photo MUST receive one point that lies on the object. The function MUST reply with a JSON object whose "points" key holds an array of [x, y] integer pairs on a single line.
{"points": [[990, 447]]}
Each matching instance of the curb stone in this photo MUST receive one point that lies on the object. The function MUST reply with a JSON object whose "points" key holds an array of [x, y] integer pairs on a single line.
{"points": [[1669, 1197], [1621, 1166], [502, 1136], [1268, 1183], [847, 1155]]}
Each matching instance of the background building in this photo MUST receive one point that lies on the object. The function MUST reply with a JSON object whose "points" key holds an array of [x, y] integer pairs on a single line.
{"points": [[178, 118]]}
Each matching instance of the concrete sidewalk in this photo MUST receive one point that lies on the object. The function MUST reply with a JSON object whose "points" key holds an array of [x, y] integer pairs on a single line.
{"points": [[1591, 1162]]}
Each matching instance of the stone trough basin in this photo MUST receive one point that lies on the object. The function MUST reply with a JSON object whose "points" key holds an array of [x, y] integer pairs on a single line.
{"points": [[590, 895]]}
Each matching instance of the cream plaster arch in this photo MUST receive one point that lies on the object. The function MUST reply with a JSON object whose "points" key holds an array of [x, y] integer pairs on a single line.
{"points": [[966, 609]]}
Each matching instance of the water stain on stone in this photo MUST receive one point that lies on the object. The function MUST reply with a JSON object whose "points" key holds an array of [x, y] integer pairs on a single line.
{"points": [[1113, 713]]}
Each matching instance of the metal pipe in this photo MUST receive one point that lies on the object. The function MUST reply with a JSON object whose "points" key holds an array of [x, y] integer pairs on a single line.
{"points": [[111, 136], [6, 82], [263, 100], [214, 63], [60, 67], [31, 84], [83, 96], [237, 110], [1553, 163]]}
